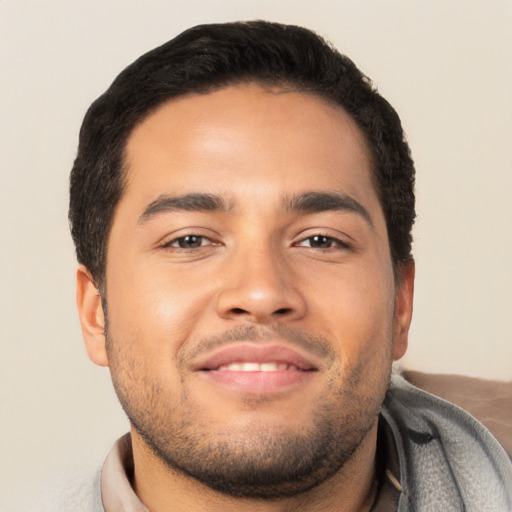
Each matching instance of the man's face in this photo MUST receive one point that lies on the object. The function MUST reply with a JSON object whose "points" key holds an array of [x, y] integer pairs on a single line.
{"points": [[252, 309]]}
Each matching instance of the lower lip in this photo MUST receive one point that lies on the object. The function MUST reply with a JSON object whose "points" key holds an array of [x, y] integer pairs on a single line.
{"points": [[258, 382]]}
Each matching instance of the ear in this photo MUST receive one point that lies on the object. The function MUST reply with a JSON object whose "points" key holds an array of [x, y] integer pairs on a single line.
{"points": [[91, 316], [403, 309]]}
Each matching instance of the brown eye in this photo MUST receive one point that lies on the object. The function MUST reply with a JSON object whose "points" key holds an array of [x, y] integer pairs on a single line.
{"points": [[321, 242], [189, 242]]}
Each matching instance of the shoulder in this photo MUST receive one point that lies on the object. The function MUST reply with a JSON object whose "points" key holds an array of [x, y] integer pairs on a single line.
{"points": [[448, 459]]}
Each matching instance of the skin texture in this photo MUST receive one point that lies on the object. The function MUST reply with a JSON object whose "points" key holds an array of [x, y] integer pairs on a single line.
{"points": [[256, 277]]}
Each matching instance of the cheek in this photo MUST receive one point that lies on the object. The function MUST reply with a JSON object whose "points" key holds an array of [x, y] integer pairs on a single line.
{"points": [[156, 310], [357, 309]]}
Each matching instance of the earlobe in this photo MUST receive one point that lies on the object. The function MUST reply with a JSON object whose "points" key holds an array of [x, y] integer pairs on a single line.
{"points": [[403, 309], [91, 316]]}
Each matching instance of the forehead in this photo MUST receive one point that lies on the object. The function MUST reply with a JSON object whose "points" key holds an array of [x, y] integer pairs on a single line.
{"points": [[246, 142]]}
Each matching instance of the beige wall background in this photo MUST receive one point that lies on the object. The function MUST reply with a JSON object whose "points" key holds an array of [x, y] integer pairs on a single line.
{"points": [[446, 65]]}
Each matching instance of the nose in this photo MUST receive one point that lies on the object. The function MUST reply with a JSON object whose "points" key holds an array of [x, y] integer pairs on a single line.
{"points": [[260, 288]]}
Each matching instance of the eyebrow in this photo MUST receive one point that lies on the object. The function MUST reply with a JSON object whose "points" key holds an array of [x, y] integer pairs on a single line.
{"points": [[317, 202], [188, 202], [308, 202]]}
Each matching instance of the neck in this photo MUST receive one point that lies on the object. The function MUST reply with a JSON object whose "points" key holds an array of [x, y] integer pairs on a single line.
{"points": [[351, 489]]}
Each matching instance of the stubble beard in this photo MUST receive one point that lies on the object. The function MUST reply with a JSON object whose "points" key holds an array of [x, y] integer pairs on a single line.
{"points": [[260, 462]]}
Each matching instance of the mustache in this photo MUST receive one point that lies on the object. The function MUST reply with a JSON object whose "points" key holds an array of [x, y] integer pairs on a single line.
{"points": [[317, 345]]}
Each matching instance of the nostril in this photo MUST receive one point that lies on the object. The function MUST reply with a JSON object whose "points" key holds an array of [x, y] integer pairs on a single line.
{"points": [[278, 312], [282, 311]]}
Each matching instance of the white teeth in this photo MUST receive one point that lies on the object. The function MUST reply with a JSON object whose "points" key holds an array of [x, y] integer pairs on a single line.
{"points": [[250, 367], [256, 367]]}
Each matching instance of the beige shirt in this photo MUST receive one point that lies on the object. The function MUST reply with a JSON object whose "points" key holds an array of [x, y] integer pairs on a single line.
{"points": [[117, 493]]}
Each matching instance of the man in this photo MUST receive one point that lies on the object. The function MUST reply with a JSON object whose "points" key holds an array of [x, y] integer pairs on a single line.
{"points": [[242, 205]]}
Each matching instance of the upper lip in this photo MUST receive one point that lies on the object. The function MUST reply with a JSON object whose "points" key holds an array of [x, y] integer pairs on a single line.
{"points": [[247, 352]]}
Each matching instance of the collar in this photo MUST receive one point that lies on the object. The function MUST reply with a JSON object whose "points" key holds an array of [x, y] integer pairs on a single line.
{"points": [[117, 492]]}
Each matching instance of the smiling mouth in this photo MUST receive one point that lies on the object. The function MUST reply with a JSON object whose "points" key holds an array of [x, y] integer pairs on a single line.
{"points": [[256, 367], [258, 377]]}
